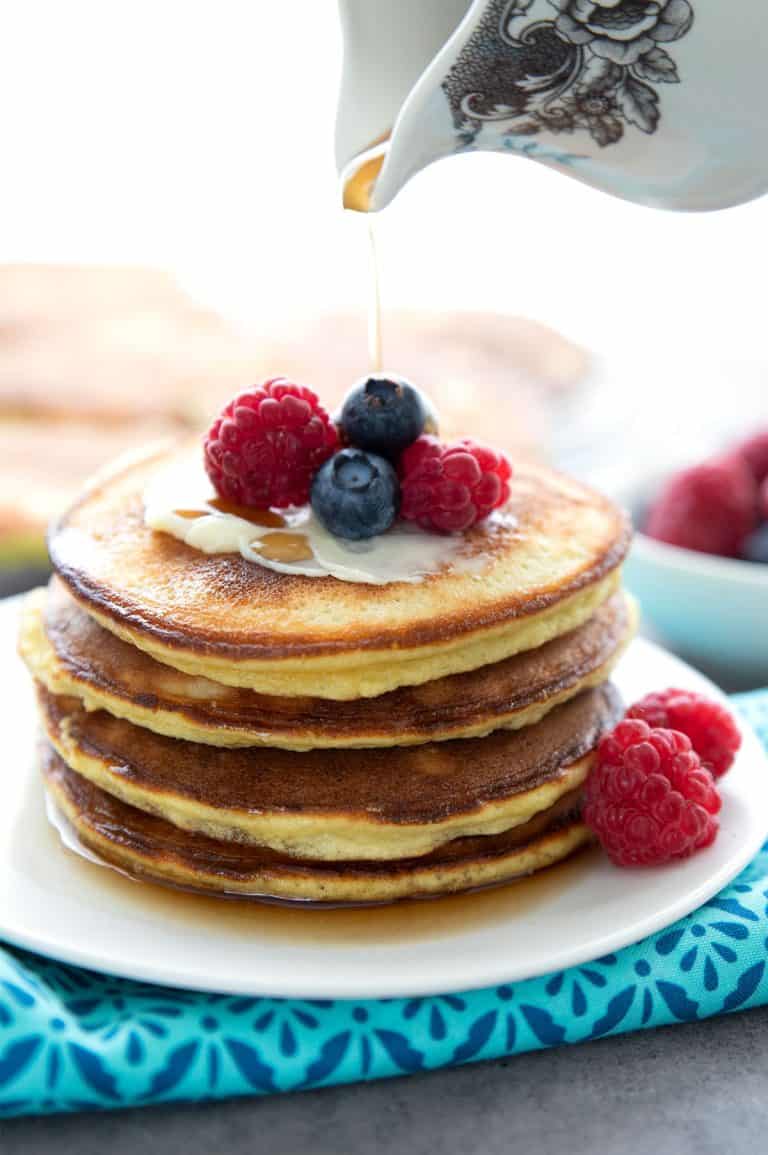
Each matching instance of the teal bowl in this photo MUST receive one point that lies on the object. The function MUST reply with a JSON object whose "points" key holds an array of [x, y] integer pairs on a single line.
{"points": [[711, 610]]}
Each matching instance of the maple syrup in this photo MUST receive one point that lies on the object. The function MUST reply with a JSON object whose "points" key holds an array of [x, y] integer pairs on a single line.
{"points": [[295, 923], [375, 353], [360, 176], [263, 517], [308, 924], [358, 182], [284, 547]]}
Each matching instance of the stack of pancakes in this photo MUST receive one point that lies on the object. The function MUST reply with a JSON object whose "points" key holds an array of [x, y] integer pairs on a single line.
{"points": [[213, 724]]}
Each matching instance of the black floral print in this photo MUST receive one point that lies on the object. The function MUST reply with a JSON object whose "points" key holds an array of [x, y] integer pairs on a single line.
{"points": [[622, 30], [592, 66]]}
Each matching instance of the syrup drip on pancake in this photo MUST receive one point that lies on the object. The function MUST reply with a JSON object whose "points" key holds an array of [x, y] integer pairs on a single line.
{"points": [[178, 501], [284, 547], [266, 517]]}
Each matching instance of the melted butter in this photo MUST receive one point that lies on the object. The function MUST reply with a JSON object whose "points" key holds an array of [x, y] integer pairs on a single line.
{"points": [[404, 554]]}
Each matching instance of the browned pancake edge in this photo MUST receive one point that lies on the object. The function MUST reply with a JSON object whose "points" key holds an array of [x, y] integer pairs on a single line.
{"points": [[150, 848], [390, 786], [211, 583], [114, 671]]}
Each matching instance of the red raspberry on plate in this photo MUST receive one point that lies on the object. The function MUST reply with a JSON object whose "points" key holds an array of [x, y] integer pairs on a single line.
{"points": [[449, 488], [648, 798], [755, 452], [710, 508], [764, 499], [266, 446], [710, 726]]}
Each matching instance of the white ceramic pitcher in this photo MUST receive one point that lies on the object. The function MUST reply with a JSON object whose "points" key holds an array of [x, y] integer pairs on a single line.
{"points": [[663, 102]]}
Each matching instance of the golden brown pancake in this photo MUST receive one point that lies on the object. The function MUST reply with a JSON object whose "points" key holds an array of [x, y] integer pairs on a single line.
{"points": [[112, 347], [94, 361], [338, 804], [44, 466], [71, 654], [236, 622], [151, 848]]}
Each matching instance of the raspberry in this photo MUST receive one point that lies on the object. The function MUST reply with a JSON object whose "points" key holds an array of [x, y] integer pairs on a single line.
{"points": [[648, 798], [755, 453], [763, 500], [266, 446], [710, 508], [449, 488], [711, 728]]}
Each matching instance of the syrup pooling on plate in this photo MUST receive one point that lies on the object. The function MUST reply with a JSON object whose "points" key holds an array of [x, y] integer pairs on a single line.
{"points": [[329, 924], [179, 501]]}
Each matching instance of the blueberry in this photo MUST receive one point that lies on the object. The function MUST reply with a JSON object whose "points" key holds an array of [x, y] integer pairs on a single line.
{"points": [[756, 545], [356, 494], [385, 415]]}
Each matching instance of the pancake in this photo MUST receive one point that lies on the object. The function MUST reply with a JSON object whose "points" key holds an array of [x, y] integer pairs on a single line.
{"points": [[43, 467], [338, 804], [233, 621], [111, 348], [150, 848], [72, 655]]}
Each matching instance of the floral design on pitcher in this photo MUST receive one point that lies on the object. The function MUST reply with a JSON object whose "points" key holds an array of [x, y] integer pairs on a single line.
{"points": [[593, 66], [624, 31]]}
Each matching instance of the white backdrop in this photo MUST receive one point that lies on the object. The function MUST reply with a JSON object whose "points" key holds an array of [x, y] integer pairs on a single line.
{"points": [[198, 136]]}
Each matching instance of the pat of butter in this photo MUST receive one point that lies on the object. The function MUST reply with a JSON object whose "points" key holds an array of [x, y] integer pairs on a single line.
{"points": [[178, 501]]}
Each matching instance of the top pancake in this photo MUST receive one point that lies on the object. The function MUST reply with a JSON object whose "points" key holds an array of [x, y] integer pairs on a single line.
{"points": [[222, 617]]}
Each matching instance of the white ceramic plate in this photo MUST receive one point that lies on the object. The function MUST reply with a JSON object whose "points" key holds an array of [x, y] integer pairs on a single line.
{"points": [[56, 903]]}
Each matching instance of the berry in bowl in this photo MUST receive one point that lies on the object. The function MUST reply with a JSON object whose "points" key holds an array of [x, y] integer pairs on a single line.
{"points": [[699, 562]]}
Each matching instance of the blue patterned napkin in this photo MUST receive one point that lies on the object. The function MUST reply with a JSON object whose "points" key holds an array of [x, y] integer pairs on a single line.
{"points": [[72, 1040]]}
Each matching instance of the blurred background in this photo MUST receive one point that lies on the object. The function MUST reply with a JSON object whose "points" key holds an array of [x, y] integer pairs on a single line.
{"points": [[172, 230]]}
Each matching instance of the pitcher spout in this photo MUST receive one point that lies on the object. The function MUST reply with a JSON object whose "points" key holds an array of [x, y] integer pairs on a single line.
{"points": [[661, 102], [387, 48]]}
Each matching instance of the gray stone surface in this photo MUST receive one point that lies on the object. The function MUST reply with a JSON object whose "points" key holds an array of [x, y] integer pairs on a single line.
{"points": [[698, 1089], [15, 581]]}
